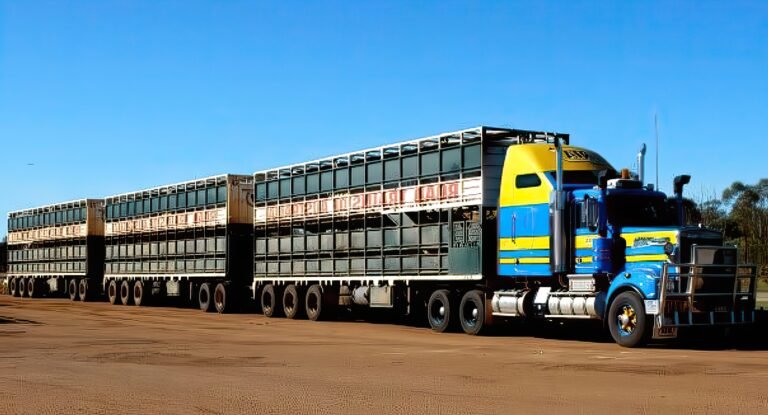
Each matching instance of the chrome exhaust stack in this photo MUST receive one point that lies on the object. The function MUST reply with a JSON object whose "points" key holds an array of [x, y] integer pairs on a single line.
{"points": [[558, 215]]}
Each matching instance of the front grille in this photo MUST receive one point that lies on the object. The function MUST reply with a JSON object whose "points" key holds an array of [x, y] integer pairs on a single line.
{"points": [[696, 236]]}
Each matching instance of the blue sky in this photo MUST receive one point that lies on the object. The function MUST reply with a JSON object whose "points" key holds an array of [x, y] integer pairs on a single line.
{"points": [[99, 98]]}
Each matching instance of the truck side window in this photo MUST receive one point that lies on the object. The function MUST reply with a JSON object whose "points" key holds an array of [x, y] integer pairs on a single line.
{"points": [[523, 181]]}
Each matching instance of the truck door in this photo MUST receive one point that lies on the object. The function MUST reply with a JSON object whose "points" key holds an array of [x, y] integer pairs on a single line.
{"points": [[584, 222]]}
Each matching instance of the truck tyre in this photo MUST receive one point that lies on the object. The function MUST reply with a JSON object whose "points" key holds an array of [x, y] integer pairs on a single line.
{"points": [[220, 298], [22, 287], [125, 292], [439, 310], [314, 303], [140, 295], [269, 304], [13, 287], [113, 292], [32, 286], [204, 297], [472, 312], [72, 289], [82, 290], [627, 321], [291, 302]]}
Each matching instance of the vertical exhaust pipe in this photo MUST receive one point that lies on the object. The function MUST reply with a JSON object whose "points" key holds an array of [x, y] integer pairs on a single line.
{"points": [[641, 164], [558, 217], [677, 185]]}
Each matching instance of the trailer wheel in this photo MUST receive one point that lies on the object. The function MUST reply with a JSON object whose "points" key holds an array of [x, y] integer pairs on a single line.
{"points": [[220, 297], [22, 287], [72, 289], [13, 287], [125, 292], [83, 290], [269, 305], [113, 292], [204, 297], [627, 321], [439, 310], [291, 302], [31, 288], [139, 294], [314, 303], [472, 312]]}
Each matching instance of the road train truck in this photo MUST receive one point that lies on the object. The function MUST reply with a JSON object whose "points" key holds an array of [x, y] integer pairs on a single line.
{"points": [[488, 224]]}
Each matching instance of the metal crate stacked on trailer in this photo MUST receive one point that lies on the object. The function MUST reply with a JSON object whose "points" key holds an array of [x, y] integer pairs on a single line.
{"points": [[192, 239], [57, 249], [383, 227]]}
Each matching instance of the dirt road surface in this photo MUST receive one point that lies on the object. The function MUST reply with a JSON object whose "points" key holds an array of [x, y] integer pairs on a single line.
{"points": [[62, 357]]}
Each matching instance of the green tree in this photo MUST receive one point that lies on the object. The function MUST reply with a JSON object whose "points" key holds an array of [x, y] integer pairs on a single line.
{"points": [[749, 213]]}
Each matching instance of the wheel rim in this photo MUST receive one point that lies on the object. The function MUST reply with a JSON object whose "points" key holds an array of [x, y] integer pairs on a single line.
{"points": [[203, 296], [137, 292], [112, 291], [626, 320], [470, 313], [219, 296], [312, 303], [268, 300], [290, 302], [72, 289], [124, 291], [437, 312]]}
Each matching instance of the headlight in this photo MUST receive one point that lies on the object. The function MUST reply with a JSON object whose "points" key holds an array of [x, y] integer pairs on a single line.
{"points": [[669, 248], [743, 287]]}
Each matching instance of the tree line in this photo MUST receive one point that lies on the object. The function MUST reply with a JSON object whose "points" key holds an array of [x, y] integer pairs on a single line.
{"points": [[741, 213]]}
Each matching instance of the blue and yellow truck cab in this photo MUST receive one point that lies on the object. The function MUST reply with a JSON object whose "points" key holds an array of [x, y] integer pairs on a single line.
{"points": [[577, 239]]}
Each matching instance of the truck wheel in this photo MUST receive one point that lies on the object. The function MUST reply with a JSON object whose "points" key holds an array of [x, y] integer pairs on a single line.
{"points": [[72, 289], [22, 287], [204, 297], [13, 287], [314, 303], [439, 310], [113, 292], [83, 290], [472, 312], [269, 305], [291, 302], [627, 321], [125, 292], [32, 286], [139, 294], [220, 297]]}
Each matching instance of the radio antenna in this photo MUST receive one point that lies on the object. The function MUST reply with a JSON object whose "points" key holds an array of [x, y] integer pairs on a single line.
{"points": [[656, 127]]}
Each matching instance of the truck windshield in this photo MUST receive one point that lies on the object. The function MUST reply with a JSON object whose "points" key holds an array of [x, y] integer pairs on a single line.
{"points": [[639, 211]]}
